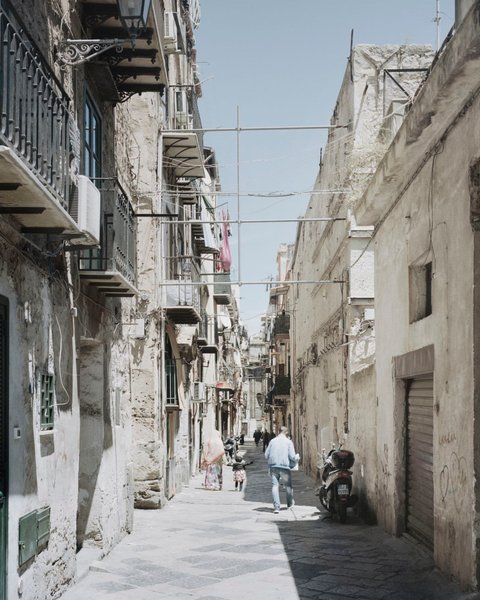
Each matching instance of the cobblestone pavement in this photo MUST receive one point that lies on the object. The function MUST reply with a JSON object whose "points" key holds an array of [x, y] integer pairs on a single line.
{"points": [[230, 546]]}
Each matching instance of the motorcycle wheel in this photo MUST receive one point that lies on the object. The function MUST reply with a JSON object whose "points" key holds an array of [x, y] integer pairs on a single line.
{"points": [[342, 512], [323, 497]]}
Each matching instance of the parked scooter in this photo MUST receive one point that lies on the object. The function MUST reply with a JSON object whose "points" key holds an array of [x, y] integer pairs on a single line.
{"points": [[335, 493]]}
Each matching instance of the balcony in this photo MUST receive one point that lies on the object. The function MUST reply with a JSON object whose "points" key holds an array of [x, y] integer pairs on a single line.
{"points": [[183, 148], [134, 70], [202, 233], [281, 326], [211, 336], [202, 336], [183, 153], [222, 289], [111, 269], [281, 387], [225, 378], [182, 298], [34, 135]]}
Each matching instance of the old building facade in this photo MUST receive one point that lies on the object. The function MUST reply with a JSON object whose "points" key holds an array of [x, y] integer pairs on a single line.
{"points": [[332, 329], [109, 264], [423, 202]]}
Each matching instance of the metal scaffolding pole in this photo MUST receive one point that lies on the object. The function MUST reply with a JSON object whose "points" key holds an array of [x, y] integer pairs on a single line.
{"points": [[183, 282], [242, 221], [239, 224], [238, 128]]}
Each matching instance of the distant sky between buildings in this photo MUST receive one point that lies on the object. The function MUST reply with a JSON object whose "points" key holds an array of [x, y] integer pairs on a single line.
{"points": [[281, 62]]}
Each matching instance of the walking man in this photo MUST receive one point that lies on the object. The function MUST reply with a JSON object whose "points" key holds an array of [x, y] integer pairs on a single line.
{"points": [[281, 457]]}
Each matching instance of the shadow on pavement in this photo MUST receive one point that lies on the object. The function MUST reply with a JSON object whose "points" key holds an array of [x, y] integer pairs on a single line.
{"points": [[330, 561]]}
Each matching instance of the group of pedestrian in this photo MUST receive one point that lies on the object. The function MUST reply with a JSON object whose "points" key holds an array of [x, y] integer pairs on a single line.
{"points": [[263, 436], [216, 454], [281, 458]]}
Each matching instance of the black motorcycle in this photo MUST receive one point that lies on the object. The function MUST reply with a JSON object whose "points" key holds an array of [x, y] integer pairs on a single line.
{"points": [[335, 493]]}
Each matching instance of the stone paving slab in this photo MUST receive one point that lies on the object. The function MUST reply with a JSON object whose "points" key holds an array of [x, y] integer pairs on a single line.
{"points": [[230, 546]]}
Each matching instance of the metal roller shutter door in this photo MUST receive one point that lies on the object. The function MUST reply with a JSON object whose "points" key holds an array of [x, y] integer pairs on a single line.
{"points": [[420, 459]]}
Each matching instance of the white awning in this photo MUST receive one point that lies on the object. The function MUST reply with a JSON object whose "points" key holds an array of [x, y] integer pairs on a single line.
{"points": [[183, 154]]}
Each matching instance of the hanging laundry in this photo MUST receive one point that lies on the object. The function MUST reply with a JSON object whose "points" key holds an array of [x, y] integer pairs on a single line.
{"points": [[225, 257]]}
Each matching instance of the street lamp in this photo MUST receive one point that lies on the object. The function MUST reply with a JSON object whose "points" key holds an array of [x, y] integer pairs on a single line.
{"points": [[133, 15], [227, 334]]}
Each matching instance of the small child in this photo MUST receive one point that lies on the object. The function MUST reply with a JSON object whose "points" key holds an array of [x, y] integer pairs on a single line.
{"points": [[239, 473]]}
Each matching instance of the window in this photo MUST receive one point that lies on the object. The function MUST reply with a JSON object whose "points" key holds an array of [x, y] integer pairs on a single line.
{"points": [[420, 291], [47, 393], [170, 375], [92, 141]]}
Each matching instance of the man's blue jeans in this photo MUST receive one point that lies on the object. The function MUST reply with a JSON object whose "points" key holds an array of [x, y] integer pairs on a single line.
{"points": [[283, 476]]}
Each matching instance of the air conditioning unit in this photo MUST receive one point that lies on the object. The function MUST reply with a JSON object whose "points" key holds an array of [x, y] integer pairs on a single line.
{"points": [[170, 34], [85, 209], [198, 391]]}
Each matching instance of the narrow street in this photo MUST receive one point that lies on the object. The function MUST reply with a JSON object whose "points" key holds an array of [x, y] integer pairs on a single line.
{"points": [[230, 546]]}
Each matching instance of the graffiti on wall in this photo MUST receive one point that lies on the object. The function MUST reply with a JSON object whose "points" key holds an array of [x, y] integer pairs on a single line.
{"points": [[453, 478]]}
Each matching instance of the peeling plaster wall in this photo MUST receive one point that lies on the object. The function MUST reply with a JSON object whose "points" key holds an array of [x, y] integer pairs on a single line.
{"points": [[79, 466], [142, 117], [441, 231], [43, 465]]}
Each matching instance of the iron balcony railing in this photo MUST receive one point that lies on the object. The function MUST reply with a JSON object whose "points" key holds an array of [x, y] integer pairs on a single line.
{"points": [[171, 381], [203, 327], [34, 115], [180, 271], [281, 325], [222, 285], [118, 237], [282, 386]]}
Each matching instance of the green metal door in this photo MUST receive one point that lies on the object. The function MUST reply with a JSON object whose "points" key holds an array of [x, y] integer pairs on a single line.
{"points": [[3, 444]]}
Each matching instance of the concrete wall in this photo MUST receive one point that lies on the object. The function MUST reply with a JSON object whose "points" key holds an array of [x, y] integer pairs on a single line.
{"points": [[440, 231], [43, 466], [424, 200], [81, 469]]}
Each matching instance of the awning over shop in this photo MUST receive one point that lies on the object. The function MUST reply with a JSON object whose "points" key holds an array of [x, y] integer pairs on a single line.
{"points": [[183, 154]]}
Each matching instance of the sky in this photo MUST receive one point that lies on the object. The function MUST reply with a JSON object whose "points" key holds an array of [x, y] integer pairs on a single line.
{"points": [[280, 63]]}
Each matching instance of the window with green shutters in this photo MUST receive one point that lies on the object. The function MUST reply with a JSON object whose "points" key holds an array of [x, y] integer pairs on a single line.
{"points": [[47, 393]]}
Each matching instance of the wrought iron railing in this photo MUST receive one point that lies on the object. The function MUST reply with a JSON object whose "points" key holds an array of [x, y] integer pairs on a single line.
{"points": [[222, 285], [117, 252], [34, 115], [282, 386], [281, 325], [171, 381], [182, 278]]}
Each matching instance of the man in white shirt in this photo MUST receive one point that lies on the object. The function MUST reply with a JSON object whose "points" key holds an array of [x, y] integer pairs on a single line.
{"points": [[281, 458]]}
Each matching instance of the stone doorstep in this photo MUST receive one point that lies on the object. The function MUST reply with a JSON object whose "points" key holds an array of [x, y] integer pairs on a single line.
{"points": [[86, 559]]}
